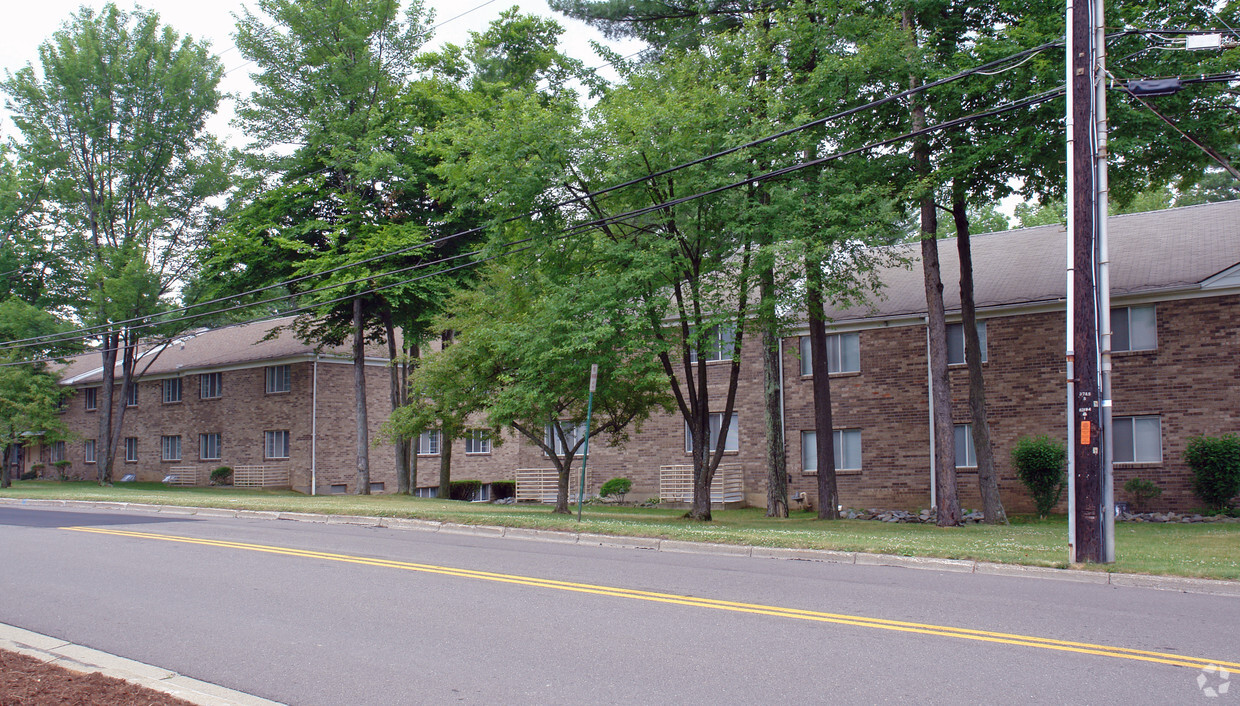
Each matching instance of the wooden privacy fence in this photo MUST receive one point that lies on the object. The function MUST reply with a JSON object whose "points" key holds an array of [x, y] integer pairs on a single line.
{"points": [[676, 484], [540, 484], [260, 476], [183, 476]]}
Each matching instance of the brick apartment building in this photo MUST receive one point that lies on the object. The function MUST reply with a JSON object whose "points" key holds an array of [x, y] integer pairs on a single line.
{"points": [[228, 397]]}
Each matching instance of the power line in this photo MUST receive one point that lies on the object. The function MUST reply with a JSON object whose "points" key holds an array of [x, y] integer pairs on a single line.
{"points": [[635, 213], [1024, 54]]}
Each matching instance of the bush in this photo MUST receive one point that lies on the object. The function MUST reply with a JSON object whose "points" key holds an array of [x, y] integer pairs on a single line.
{"points": [[501, 489], [29, 475], [1216, 468], [616, 486], [464, 489], [1143, 492], [1041, 465], [221, 476]]}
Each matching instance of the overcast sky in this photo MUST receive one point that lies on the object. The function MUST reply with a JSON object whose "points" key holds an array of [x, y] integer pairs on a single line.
{"points": [[28, 23]]}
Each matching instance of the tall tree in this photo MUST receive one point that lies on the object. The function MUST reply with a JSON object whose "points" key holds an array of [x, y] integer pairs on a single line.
{"points": [[331, 86], [115, 120]]}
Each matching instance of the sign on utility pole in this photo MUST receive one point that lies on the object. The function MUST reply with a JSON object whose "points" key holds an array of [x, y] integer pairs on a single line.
{"points": [[1091, 518]]}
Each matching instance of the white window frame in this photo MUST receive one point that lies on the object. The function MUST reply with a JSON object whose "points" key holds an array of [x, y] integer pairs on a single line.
{"points": [[837, 345], [210, 386], [572, 434], [478, 441], [720, 340], [207, 443], [91, 396], [1122, 342], [88, 451], [132, 399], [970, 452], [57, 451], [429, 442], [843, 441], [276, 444], [172, 390], [1136, 423], [279, 379], [170, 447], [955, 334], [731, 444], [131, 449]]}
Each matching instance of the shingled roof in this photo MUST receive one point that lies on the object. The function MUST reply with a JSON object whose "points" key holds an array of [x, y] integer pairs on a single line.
{"points": [[1159, 251], [241, 344]]}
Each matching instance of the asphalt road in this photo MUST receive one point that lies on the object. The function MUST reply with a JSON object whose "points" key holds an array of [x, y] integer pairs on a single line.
{"points": [[336, 614]]}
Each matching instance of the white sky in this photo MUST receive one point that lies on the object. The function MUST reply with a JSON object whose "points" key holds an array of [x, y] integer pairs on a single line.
{"points": [[28, 24]]}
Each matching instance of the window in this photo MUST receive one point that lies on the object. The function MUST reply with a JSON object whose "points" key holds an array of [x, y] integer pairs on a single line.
{"points": [[966, 456], [1137, 439], [955, 342], [847, 450], [132, 399], [717, 344], [428, 443], [843, 354], [1133, 329], [58, 451], [278, 379], [210, 386], [209, 447], [92, 398], [731, 443], [131, 449], [172, 390], [170, 447], [275, 444], [88, 451], [477, 441], [572, 434]]}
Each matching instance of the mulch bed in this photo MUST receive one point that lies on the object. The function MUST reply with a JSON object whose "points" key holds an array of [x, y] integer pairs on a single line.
{"points": [[27, 681]]}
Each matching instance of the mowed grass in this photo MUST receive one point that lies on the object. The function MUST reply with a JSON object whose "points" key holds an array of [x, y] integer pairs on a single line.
{"points": [[1207, 550]]}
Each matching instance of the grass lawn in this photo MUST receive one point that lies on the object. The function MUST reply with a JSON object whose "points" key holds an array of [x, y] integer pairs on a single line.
{"points": [[1204, 550]]}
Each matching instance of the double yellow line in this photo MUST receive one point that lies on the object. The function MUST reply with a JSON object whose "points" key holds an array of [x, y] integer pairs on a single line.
{"points": [[676, 599]]}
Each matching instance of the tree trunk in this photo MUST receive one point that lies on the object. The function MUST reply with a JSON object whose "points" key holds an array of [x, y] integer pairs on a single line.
{"points": [[445, 465], [828, 493], [987, 479], [776, 454], [106, 452], [948, 501], [398, 400], [359, 390], [5, 470]]}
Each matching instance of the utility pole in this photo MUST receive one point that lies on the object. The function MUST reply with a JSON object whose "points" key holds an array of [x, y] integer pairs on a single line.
{"points": [[1088, 309]]}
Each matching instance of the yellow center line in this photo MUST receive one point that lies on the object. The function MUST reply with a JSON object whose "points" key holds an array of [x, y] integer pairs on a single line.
{"points": [[693, 601]]}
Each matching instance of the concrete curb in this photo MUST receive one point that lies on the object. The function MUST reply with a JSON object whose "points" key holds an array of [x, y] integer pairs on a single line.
{"points": [[1217, 587], [84, 659]]}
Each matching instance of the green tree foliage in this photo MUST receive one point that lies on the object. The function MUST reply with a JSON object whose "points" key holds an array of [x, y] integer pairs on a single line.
{"points": [[1216, 468], [1040, 463], [29, 394], [113, 122]]}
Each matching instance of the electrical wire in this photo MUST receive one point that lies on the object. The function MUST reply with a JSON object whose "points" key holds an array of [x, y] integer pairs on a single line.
{"points": [[636, 213], [581, 199]]}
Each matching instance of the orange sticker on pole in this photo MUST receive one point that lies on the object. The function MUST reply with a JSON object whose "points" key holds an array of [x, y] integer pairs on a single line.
{"points": [[1085, 432]]}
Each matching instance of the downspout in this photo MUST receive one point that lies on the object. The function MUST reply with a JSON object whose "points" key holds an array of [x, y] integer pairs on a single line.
{"points": [[1104, 286], [1069, 306], [314, 430], [934, 476]]}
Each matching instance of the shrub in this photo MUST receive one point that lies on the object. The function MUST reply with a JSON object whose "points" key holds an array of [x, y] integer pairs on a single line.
{"points": [[1041, 465], [62, 469], [464, 489], [221, 476], [1216, 468], [29, 475], [501, 489], [1143, 492], [616, 486]]}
